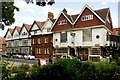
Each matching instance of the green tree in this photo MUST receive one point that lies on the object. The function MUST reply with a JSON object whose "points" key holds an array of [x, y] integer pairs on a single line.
{"points": [[8, 9]]}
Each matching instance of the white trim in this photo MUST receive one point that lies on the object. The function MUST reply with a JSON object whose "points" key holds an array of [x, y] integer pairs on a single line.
{"points": [[58, 18], [86, 6], [46, 23], [107, 15]]}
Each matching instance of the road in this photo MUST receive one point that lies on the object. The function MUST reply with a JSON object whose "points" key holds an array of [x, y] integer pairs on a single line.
{"points": [[20, 61]]}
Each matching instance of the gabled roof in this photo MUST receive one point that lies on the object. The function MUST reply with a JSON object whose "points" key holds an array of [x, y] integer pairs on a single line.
{"points": [[65, 15], [102, 13], [52, 20], [18, 29], [2, 40], [10, 30], [86, 6], [27, 26], [38, 23]]}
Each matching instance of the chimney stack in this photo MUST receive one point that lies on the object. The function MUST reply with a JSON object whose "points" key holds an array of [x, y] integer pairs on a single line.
{"points": [[50, 15], [64, 11]]}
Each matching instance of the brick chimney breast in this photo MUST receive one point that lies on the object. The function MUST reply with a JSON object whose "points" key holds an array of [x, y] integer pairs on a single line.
{"points": [[64, 11], [50, 15]]}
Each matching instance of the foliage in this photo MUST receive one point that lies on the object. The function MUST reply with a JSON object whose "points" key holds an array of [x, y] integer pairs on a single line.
{"points": [[41, 2], [6, 70], [8, 7], [67, 69]]}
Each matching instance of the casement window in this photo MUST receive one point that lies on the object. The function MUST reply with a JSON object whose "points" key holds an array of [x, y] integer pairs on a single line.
{"points": [[87, 17], [63, 36], [46, 50], [25, 42], [62, 22], [23, 34], [95, 51], [35, 32], [62, 50], [39, 41], [87, 35], [38, 50], [46, 40]]}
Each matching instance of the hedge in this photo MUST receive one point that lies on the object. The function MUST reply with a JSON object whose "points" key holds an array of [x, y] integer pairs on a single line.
{"points": [[68, 69]]}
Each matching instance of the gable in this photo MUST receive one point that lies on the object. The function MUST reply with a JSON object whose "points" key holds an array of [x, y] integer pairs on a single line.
{"points": [[80, 23], [47, 26], [57, 27], [35, 27], [8, 36], [24, 32], [15, 34]]}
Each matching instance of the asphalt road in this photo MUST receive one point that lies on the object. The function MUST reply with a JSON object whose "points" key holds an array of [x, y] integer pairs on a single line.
{"points": [[21, 60]]}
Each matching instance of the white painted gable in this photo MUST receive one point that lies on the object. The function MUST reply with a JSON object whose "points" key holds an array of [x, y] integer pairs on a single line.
{"points": [[15, 34], [24, 33], [35, 27], [47, 26], [8, 36]]}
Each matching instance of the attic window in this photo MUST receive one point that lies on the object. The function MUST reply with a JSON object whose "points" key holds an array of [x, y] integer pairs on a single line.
{"points": [[87, 17], [62, 22]]}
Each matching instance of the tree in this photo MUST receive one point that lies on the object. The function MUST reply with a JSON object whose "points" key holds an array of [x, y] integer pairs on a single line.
{"points": [[41, 2], [8, 14], [8, 11]]}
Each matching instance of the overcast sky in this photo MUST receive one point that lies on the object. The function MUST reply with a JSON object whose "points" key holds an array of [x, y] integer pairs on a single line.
{"points": [[30, 12]]}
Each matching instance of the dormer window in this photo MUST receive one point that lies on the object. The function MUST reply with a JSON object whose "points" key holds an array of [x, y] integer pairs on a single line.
{"points": [[87, 17], [62, 22]]}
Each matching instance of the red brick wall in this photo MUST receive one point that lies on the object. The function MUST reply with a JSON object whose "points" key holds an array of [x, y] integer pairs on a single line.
{"points": [[43, 45], [94, 22]]}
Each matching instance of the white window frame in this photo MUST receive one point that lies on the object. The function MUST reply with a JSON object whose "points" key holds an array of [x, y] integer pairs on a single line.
{"points": [[39, 40], [62, 22], [87, 17], [46, 40]]}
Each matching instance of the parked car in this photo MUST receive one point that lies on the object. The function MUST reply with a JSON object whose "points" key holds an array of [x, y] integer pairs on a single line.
{"points": [[66, 56], [5, 55], [18, 56], [29, 57]]}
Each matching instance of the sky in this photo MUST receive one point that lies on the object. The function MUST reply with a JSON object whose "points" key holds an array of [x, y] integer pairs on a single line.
{"points": [[30, 12]]}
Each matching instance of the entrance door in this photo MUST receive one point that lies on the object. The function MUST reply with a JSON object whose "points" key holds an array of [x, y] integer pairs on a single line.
{"points": [[83, 54], [72, 52]]}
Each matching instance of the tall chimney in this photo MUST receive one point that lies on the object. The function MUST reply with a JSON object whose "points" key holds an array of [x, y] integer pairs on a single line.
{"points": [[50, 15], [64, 11]]}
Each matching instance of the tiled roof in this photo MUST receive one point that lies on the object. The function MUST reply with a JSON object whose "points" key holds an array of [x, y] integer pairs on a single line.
{"points": [[2, 40], [18, 28], [115, 30], [27, 26], [102, 13], [40, 24]]}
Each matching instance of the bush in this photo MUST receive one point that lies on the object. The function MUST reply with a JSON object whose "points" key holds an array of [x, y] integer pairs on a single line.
{"points": [[68, 69]]}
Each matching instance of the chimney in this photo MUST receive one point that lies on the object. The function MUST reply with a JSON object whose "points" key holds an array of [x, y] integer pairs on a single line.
{"points": [[50, 15], [64, 11]]}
